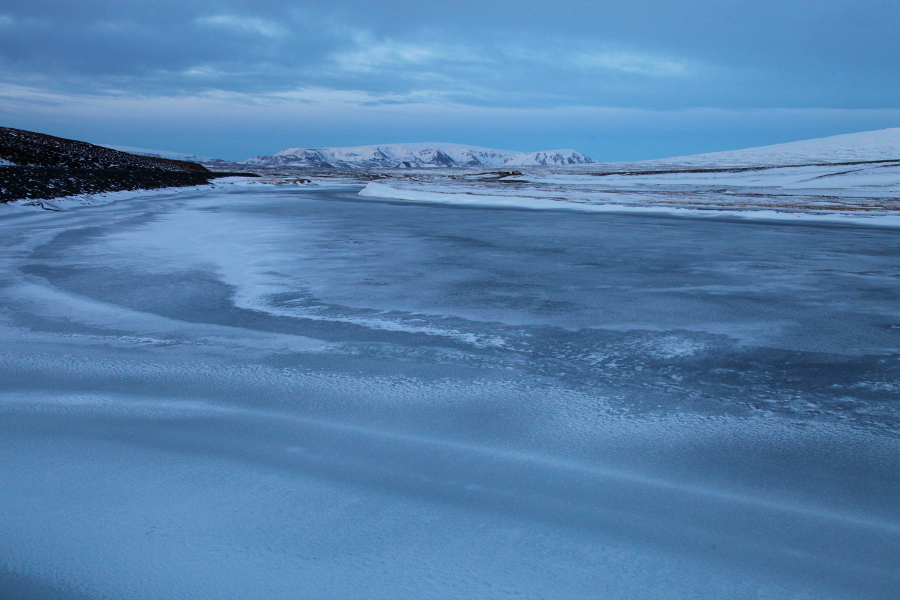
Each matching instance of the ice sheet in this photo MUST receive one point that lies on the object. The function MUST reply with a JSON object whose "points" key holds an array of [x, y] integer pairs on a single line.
{"points": [[264, 391]]}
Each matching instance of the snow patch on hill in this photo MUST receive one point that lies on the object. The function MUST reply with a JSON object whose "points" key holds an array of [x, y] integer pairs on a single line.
{"points": [[883, 144]]}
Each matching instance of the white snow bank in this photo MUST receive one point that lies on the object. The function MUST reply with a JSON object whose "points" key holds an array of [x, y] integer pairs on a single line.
{"points": [[380, 190], [70, 202]]}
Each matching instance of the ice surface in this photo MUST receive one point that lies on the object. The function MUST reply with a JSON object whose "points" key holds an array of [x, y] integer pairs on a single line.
{"points": [[262, 391]]}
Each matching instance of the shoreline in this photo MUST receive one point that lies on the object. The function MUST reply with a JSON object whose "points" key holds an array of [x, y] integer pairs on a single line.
{"points": [[381, 191]]}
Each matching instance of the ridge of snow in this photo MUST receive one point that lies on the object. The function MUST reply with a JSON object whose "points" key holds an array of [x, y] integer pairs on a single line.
{"points": [[529, 199], [881, 144]]}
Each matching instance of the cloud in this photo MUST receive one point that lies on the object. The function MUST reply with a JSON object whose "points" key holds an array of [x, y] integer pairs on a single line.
{"points": [[642, 53], [20, 23], [239, 125], [634, 63], [579, 55], [19, 97], [396, 56], [371, 55], [242, 24]]}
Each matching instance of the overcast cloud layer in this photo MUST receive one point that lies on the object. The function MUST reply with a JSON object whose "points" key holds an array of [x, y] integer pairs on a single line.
{"points": [[618, 81]]}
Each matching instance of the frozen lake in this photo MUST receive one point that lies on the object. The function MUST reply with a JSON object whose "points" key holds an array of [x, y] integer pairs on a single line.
{"points": [[288, 392]]}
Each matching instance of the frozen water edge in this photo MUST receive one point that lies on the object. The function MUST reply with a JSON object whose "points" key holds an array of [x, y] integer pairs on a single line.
{"points": [[84, 200], [282, 391], [87, 200]]}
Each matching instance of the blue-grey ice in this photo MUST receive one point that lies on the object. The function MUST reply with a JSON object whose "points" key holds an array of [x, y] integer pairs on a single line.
{"points": [[279, 392]]}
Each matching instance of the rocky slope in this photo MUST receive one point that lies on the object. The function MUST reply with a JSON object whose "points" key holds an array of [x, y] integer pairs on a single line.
{"points": [[46, 183], [27, 148], [38, 166]]}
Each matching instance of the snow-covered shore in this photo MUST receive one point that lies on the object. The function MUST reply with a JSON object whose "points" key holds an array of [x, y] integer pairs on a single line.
{"points": [[83, 200], [853, 178], [585, 203]]}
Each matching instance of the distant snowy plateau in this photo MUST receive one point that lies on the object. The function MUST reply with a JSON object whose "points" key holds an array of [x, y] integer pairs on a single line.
{"points": [[882, 144]]}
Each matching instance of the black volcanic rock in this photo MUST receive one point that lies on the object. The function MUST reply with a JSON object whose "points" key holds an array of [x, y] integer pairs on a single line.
{"points": [[45, 167], [46, 183], [30, 149]]}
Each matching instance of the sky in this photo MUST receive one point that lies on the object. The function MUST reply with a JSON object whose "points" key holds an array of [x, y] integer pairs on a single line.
{"points": [[615, 80]]}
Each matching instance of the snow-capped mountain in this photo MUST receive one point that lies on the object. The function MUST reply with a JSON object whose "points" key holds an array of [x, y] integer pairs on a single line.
{"points": [[882, 144], [414, 156], [547, 158]]}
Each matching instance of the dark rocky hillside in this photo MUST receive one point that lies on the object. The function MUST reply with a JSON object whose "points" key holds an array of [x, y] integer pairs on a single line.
{"points": [[29, 149], [45, 167], [45, 183]]}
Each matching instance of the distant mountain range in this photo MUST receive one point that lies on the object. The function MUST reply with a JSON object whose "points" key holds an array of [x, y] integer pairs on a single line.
{"points": [[883, 144], [415, 156]]}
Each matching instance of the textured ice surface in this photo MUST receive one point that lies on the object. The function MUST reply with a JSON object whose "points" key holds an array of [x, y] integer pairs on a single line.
{"points": [[301, 393]]}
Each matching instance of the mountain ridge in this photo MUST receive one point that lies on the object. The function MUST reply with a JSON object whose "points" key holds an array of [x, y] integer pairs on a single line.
{"points": [[413, 156]]}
